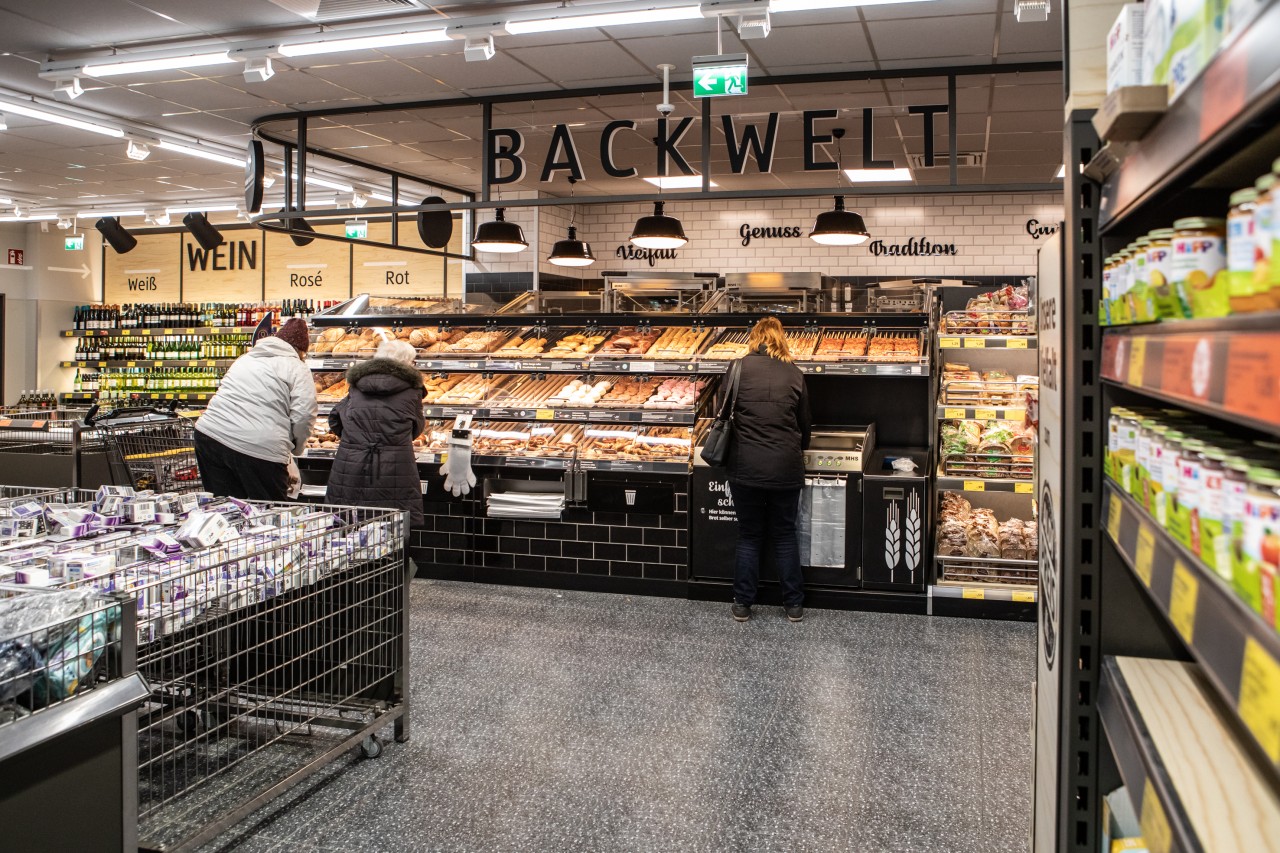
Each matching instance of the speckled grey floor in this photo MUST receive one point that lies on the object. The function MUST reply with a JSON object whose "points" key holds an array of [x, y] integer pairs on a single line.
{"points": [[564, 721]]}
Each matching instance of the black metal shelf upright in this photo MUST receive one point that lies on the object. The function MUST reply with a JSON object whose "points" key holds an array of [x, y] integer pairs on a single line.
{"points": [[1155, 655]]}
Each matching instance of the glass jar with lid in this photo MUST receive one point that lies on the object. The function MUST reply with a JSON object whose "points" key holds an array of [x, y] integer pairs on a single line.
{"points": [[1272, 278], [1121, 443], [1264, 235], [1184, 516], [1122, 282], [1104, 304], [1212, 500], [1235, 482], [1260, 544], [1199, 266], [1141, 305], [1242, 248], [1160, 274]]}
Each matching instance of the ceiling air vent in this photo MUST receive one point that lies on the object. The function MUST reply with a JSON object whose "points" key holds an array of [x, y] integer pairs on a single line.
{"points": [[942, 161], [338, 10]]}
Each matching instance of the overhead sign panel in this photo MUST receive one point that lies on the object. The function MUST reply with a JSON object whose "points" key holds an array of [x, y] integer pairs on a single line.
{"points": [[715, 76]]}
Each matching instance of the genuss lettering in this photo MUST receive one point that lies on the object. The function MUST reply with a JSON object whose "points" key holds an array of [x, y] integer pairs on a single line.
{"points": [[748, 233], [504, 147]]}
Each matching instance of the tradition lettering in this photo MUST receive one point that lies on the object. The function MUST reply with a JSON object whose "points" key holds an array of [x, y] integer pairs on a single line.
{"points": [[913, 247]]}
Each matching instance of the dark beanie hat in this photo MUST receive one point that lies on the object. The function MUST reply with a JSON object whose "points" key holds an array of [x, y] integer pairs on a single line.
{"points": [[294, 332]]}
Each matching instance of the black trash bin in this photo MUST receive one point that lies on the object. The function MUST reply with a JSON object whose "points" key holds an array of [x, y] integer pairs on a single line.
{"points": [[895, 521]]}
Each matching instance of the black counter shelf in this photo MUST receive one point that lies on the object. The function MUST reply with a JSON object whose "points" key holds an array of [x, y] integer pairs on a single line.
{"points": [[1238, 652], [1195, 789], [984, 601], [146, 362], [603, 320]]}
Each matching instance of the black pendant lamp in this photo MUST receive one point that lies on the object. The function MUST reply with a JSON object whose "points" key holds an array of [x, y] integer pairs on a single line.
{"points": [[572, 252], [658, 231], [839, 227], [499, 235]]}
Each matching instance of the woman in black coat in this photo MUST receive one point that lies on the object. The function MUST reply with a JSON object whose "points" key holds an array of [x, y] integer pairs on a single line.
{"points": [[377, 422], [766, 466]]}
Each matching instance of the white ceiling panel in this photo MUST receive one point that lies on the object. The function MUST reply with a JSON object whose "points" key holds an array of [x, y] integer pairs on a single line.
{"points": [[502, 70], [1031, 37], [604, 58], [391, 79], [935, 9], [952, 36], [836, 43]]}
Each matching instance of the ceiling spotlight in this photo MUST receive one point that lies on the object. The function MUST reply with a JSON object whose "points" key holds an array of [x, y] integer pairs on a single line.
{"points": [[658, 231], [136, 150], [754, 26], [572, 252], [1031, 11], [359, 199], [206, 235], [17, 210], [839, 227], [499, 235], [302, 225], [479, 48], [258, 69], [158, 218], [68, 89], [116, 235], [64, 223]]}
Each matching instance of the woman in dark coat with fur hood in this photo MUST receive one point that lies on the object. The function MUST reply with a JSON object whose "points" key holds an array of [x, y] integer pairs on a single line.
{"points": [[377, 422]]}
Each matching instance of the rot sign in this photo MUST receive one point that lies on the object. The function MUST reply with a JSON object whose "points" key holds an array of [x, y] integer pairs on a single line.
{"points": [[15, 257]]}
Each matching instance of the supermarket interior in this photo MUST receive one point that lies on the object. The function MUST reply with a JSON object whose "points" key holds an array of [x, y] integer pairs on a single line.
{"points": [[1023, 258]]}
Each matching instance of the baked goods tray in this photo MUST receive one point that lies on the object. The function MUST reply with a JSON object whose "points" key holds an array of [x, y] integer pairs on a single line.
{"points": [[672, 343], [987, 570], [978, 392], [989, 321], [990, 466]]}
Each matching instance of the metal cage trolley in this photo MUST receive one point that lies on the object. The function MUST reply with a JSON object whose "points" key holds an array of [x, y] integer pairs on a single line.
{"points": [[268, 656], [149, 448]]}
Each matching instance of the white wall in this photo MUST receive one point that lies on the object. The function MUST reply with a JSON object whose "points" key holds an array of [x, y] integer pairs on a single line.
{"points": [[988, 231], [39, 302]]}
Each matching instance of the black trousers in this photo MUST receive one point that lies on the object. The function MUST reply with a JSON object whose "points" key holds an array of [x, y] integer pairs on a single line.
{"points": [[767, 514], [230, 473]]}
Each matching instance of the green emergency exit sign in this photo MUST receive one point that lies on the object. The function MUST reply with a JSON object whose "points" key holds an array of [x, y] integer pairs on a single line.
{"points": [[715, 76]]}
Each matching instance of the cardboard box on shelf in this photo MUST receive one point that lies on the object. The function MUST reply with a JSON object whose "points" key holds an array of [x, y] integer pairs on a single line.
{"points": [[1124, 48]]}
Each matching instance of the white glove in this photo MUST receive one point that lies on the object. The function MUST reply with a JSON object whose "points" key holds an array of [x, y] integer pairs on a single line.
{"points": [[458, 476]]}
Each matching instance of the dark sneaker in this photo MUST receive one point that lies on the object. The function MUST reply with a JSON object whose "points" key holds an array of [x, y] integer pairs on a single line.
{"points": [[741, 612], [795, 613]]}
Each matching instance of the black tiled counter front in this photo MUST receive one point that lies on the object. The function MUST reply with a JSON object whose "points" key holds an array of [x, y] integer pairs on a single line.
{"points": [[585, 549]]}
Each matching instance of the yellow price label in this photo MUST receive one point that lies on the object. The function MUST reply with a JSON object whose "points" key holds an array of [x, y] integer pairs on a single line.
{"points": [[193, 364], [1137, 360], [546, 414], [1155, 826], [1016, 343], [1182, 601], [126, 332], [130, 364], [168, 331], [975, 486], [168, 396], [975, 343], [1113, 517], [1025, 596], [948, 343], [976, 594], [1145, 553], [146, 332], [1022, 488], [1259, 703], [68, 334], [953, 414], [986, 414]]}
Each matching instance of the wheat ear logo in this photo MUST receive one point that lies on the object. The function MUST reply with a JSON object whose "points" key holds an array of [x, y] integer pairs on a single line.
{"points": [[913, 549], [892, 538]]}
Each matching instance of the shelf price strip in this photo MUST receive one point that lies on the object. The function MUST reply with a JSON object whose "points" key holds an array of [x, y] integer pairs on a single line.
{"points": [[1182, 601], [1259, 701]]}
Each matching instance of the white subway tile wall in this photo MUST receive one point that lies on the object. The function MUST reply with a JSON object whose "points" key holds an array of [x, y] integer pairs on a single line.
{"points": [[990, 233]]}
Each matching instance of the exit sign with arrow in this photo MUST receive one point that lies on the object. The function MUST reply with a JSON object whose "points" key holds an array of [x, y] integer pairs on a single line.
{"points": [[714, 76]]}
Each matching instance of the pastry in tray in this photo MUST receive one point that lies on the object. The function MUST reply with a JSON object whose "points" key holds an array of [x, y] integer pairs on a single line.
{"points": [[476, 342], [527, 391], [732, 345], [471, 391], [437, 386], [524, 345], [677, 343], [629, 341], [334, 393], [894, 346], [802, 344], [839, 345], [575, 344], [579, 394], [628, 392], [675, 393]]}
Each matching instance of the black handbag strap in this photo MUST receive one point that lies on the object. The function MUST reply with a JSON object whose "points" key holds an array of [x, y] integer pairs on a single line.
{"points": [[726, 408]]}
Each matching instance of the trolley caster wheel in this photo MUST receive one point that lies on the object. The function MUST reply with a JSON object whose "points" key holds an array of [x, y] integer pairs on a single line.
{"points": [[192, 723], [371, 747]]}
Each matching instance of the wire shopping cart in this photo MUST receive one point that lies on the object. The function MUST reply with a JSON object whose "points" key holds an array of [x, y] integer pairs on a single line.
{"points": [[149, 447]]}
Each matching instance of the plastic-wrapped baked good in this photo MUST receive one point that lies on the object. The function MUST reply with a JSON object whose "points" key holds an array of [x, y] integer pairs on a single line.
{"points": [[983, 534]]}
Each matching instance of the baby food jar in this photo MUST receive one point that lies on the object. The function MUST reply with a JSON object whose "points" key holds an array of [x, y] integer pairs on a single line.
{"points": [[1264, 235], [1159, 253], [1242, 248], [1199, 265], [1184, 520], [1260, 545]]}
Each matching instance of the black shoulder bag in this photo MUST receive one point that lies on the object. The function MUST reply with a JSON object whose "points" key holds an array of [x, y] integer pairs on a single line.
{"points": [[715, 447]]}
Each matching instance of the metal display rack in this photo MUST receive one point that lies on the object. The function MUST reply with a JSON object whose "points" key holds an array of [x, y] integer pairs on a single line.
{"points": [[1118, 700], [265, 658]]}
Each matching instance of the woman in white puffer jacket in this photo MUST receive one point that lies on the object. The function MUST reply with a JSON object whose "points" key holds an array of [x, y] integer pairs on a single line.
{"points": [[260, 418]]}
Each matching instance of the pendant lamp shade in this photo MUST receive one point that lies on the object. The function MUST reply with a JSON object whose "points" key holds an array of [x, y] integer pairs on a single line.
{"points": [[499, 235], [572, 252], [658, 231], [839, 227]]}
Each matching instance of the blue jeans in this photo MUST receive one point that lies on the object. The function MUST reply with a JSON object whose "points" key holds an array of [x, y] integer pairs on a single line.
{"points": [[767, 513]]}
